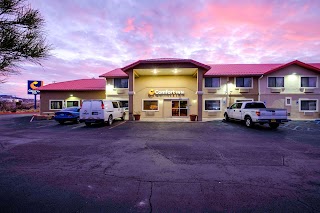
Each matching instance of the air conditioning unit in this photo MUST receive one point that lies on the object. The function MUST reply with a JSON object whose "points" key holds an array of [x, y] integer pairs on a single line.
{"points": [[308, 113], [275, 90], [243, 90], [120, 91], [308, 90], [211, 90]]}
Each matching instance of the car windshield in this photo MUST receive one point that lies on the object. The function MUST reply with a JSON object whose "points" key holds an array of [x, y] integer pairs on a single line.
{"points": [[72, 109]]}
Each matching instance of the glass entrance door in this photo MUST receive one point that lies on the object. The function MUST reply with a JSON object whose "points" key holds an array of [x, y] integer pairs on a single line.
{"points": [[179, 108]]}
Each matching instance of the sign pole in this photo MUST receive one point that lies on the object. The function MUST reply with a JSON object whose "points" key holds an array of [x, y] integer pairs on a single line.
{"points": [[35, 101]]}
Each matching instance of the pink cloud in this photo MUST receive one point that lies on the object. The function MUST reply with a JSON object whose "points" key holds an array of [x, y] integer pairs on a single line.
{"points": [[130, 25]]}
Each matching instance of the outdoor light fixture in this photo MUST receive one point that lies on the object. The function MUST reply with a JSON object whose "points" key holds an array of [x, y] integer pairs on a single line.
{"points": [[175, 71], [71, 95], [155, 71]]}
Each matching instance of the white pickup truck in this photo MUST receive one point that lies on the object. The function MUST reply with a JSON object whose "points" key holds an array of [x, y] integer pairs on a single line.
{"points": [[252, 112]]}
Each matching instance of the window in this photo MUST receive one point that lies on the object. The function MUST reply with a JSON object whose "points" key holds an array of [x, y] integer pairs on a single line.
{"points": [[288, 101], [212, 82], [124, 104], [115, 104], [236, 106], [275, 81], [244, 82], [255, 105], [72, 103], [150, 105], [243, 100], [212, 105], [56, 104], [309, 105], [308, 81], [120, 83]]}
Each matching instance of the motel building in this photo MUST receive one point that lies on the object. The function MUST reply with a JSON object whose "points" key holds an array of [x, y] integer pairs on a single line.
{"points": [[176, 88]]}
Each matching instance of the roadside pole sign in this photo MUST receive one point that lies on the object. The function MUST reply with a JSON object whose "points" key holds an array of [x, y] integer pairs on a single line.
{"points": [[33, 90], [33, 87]]}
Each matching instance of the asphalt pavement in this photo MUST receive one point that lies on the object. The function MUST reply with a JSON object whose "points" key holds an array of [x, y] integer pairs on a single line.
{"points": [[212, 166]]}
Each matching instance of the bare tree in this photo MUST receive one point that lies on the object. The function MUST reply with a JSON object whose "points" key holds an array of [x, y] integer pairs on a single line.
{"points": [[21, 36]]}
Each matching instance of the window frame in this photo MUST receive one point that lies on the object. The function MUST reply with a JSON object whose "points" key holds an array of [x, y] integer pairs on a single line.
{"points": [[114, 84], [72, 101], [309, 99], [276, 81], [308, 76], [204, 81], [62, 106], [142, 106], [212, 99], [285, 101], [235, 83]]}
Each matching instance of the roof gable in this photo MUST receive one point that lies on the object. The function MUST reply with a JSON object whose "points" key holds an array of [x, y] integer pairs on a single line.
{"points": [[165, 61], [295, 62]]}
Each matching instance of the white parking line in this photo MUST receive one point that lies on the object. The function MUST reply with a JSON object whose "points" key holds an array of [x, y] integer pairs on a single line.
{"points": [[118, 124], [77, 127]]}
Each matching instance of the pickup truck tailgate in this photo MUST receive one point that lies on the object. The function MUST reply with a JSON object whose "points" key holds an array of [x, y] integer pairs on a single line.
{"points": [[270, 113]]}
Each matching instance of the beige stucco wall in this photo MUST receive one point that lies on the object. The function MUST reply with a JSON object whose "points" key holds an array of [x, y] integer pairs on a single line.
{"points": [[46, 96], [291, 80], [292, 76], [227, 85], [144, 84]]}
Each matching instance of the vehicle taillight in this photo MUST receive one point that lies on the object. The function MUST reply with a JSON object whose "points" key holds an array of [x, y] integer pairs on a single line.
{"points": [[102, 105], [258, 113]]}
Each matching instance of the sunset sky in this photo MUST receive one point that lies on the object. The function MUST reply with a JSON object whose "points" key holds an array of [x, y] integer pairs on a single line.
{"points": [[92, 37]]}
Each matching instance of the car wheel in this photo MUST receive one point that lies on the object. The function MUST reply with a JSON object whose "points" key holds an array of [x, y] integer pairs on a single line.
{"points": [[123, 116], [110, 120], [226, 117], [77, 121], [248, 121], [88, 124], [273, 125], [61, 122]]}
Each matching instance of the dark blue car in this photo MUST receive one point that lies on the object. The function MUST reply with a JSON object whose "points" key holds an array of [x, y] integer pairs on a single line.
{"points": [[68, 114]]}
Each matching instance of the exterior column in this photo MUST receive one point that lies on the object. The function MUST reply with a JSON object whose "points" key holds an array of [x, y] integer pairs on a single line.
{"points": [[200, 93], [131, 93]]}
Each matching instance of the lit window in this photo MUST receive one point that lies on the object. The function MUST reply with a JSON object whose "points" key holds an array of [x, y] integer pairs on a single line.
{"points": [[212, 105], [72, 103], [212, 82], [308, 105], [120, 83], [243, 82], [56, 104], [275, 81], [150, 105], [308, 81]]}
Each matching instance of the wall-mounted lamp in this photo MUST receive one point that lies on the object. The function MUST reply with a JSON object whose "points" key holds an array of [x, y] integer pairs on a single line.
{"points": [[71, 95]]}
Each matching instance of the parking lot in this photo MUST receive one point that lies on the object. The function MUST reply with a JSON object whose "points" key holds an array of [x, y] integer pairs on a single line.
{"points": [[211, 166]]}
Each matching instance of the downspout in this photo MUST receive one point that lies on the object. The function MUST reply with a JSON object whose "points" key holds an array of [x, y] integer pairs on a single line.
{"points": [[259, 88]]}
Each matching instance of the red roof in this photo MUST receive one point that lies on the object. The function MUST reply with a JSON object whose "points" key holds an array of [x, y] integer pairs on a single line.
{"points": [[116, 73], [75, 85], [239, 69], [166, 61], [219, 69], [296, 62]]}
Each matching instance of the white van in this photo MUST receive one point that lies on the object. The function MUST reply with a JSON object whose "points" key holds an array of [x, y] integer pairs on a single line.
{"points": [[100, 111]]}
